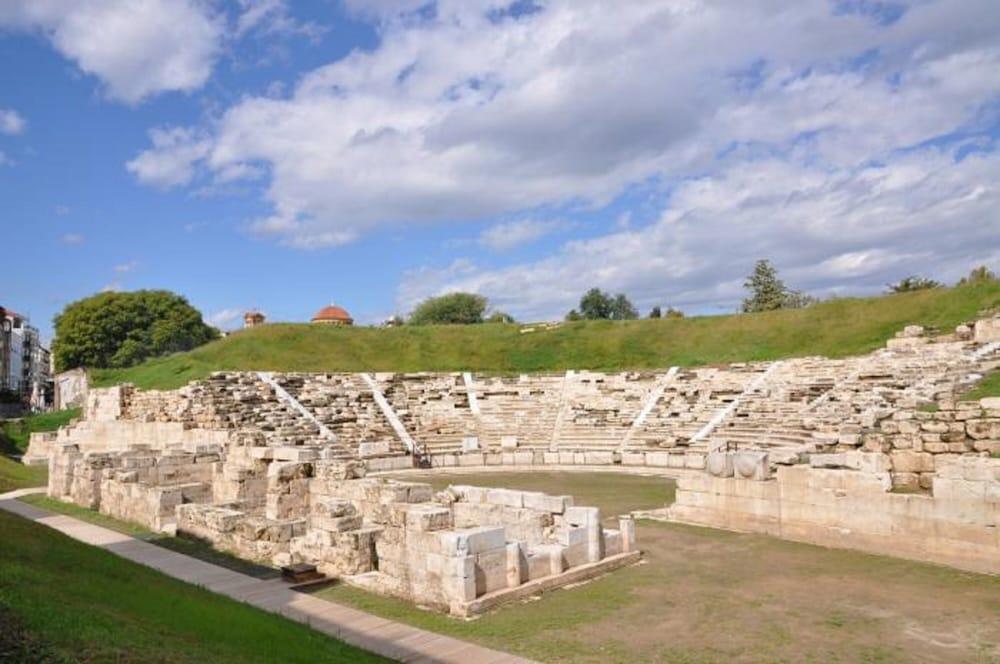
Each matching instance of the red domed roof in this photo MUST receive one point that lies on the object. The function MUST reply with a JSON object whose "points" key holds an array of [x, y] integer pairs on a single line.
{"points": [[333, 313]]}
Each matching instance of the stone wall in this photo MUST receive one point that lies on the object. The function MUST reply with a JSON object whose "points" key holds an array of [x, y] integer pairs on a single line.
{"points": [[957, 524]]}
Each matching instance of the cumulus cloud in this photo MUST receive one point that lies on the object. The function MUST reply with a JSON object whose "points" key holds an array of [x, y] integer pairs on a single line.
{"points": [[507, 235], [137, 48], [581, 99], [11, 122], [171, 161], [225, 319], [844, 229], [72, 238]]}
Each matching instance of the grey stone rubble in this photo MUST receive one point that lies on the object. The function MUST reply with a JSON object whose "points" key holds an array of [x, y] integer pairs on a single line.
{"points": [[274, 474]]}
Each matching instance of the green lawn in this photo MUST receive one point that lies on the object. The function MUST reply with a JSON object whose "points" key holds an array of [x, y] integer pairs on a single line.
{"points": [[987, 387], [189, 547], [64, 601], [705, 595], [833, 328], [18, 432], [14, 441]]}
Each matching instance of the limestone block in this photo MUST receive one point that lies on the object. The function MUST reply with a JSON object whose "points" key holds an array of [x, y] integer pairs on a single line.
{"points": [[983, 428], [538, 564], [427, 517], [370, 449], [694, 460], [598, 458], [525, 458], [550, 458], [566, 458], [751, 465], [508, 442], [612, 542], [470, 444], [626, 526], [546, 503], [633, 459], [472, 459], [494, 459], [987, 330], [658, 459], [676, 459], [507, 458], [508, 497], [467, 541], [335, 524], [990, 403], [719, 464], [517, 572], [491, 570], [912, 462], [572, 535], [582, 516]]}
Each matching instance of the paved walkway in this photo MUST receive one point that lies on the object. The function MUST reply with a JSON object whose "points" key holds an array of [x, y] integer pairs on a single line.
{"points": [[364, 630]]}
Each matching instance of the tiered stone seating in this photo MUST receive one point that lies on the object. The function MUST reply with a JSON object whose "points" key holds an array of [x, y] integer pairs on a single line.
{"points": [[598, 409], [689, 402], [525, 407], [344, 404], [433, 407]]}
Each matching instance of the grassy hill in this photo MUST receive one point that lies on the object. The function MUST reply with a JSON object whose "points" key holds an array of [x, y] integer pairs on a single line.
{"points": [[64, 601], [833, 328]]}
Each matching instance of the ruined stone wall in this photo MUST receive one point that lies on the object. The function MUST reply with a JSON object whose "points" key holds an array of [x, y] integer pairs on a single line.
{"points": [[957, 524]]}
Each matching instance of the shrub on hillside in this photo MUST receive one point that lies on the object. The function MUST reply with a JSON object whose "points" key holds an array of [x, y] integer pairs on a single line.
{"points": [[978, 275], [913, 283], [598, 305], [116, 330], [450, 309], [768, 292]]}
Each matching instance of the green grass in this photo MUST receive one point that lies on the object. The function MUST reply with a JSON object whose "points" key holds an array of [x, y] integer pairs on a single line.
{"points": [[15, 475], [189, 547], [71, 602], [987, 387], [706, 595], [18, 432], [14, 436], [834, 328]]}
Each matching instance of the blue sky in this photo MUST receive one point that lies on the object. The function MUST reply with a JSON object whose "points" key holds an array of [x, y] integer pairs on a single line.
{"points": [[284, 155]]}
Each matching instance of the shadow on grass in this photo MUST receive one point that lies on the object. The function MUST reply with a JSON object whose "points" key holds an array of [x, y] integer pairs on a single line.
{"points": [[188, 546]]}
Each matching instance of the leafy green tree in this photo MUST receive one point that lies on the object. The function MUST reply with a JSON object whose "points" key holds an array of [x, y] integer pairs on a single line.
{"points": [[978, 275], [124, 329], [500, 317], [768, 292], [450, 309], [913, 283], [623, 309], [596, 305], [673, 313], [573, 315], [655, 312]]}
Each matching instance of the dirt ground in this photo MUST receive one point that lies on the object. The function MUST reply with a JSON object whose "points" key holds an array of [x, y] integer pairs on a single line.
{"points": [[705, 595]]}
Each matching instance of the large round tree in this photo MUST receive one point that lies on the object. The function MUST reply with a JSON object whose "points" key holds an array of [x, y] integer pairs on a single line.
{"points": [[123, 329]]}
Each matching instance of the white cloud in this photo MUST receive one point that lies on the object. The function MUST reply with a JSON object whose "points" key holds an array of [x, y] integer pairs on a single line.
{"points": [[575, 103], [510, 234], [171, 161], [72, 238], [853, 229], [61, 210], [126, 267], [11, 122], [137, 48], [226, 319]]}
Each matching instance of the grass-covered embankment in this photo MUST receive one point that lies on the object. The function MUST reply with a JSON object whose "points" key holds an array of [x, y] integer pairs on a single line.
{"points": [[834, 328], [64, 601], [14, 436]]}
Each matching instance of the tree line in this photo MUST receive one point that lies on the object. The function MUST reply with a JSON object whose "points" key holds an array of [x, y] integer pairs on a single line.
{"points": [[124, 329]]}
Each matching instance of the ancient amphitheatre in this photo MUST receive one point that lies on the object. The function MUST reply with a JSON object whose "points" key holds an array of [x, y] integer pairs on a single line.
{"points": [[743, 501]]}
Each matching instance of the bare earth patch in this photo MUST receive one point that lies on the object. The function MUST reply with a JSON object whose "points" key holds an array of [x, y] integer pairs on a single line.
{"points": [[705, 595]]}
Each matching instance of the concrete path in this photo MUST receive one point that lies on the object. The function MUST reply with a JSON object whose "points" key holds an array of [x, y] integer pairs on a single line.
{"points": [[364, 630]]}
